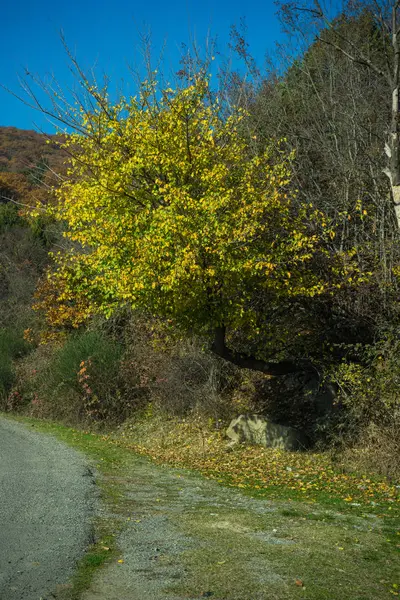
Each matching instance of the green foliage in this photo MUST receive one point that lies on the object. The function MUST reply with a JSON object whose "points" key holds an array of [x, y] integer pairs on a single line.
{"points": [[6, 375], [22, 259], [12, 343], [12, 346], [8, 216], [41, 227], [368, 388], [364, 431], [78, 381], [91, 345], [44, 230]]}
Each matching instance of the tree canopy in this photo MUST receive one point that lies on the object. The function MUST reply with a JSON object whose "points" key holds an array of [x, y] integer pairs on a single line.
{"points": [[166, 209]]}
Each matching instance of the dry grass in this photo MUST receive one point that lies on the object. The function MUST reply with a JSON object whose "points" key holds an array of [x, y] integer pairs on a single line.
{"points": [[377, 451], [196, 444]]}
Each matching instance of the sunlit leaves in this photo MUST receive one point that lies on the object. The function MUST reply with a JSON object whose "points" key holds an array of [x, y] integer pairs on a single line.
{"points": [[167, 210]]}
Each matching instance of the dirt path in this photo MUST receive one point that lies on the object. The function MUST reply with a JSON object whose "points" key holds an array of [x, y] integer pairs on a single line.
{"points": [[184, 537], [46, 502]]}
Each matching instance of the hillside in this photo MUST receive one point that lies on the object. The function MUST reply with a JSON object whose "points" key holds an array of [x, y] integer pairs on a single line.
{"points": [[21, 150], [25, 178]]}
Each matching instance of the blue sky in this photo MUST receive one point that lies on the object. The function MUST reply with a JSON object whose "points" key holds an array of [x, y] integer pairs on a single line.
{"points": [[106, 34]]}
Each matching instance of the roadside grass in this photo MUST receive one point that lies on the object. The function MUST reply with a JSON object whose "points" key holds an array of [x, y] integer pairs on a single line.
{"points": [[325, 534], [321, 492], [268, 472], [319, 561]]}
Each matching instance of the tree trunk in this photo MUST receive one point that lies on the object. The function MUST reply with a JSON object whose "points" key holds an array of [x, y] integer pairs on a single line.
{"points": [[394, 137], [275, 369]]}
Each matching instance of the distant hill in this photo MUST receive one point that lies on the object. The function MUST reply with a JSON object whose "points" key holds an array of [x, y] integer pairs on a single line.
{"points": [[21, 150]]}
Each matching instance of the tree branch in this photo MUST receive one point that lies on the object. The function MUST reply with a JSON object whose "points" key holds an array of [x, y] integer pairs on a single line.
{"points": [[361, 59], [275, 369], [21, 203]]}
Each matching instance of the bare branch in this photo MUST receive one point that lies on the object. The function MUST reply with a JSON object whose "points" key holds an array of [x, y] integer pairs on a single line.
{"points": [[21, 203]]}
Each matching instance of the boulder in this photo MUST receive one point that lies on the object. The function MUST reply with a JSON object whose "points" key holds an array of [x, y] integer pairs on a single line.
{"points": [[255, 429]]}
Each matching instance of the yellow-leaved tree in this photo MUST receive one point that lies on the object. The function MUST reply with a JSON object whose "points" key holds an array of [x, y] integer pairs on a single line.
{"points": [[166, 209]]}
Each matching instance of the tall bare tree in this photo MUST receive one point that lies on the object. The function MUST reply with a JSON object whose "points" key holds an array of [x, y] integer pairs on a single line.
{"points": [[382, 58]]}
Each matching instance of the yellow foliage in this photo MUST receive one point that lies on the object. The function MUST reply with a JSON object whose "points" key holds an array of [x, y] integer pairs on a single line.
{"points": [[167, 211], [63, 309]]}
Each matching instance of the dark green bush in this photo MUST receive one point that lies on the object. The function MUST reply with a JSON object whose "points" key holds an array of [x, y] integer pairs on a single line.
{"points": [[103, 353], [12, 343], [79, 381], [8, 216], [12, 346], [6, 377]]}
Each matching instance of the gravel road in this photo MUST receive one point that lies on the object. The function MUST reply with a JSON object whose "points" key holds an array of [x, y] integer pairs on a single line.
{"points": [[47, 498]]}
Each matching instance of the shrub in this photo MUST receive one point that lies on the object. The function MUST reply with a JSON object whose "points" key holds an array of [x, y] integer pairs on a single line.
{"points": [[177, 375], [366, 432], [78, 381], [6, 378], [12, 343], [90, 345], [22, 259], [8, 216], [87, 366], [12, 346]]}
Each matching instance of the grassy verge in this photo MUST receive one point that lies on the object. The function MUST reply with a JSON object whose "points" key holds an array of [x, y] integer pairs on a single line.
{"points": [[260, 471]]}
